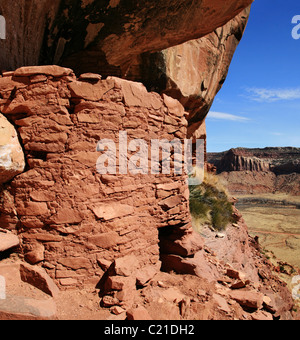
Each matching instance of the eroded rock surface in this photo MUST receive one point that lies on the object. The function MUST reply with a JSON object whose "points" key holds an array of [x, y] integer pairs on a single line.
{"points": [[195, 71], [161, 45], [107, 35], [68, 215], [12, 160], [257, 171]]}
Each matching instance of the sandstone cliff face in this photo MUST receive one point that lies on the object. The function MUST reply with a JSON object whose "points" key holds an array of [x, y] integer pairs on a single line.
{"points": [[110, 34], [278, 160], [26, 24], [266, 170], [239, 160], [195, 71]]}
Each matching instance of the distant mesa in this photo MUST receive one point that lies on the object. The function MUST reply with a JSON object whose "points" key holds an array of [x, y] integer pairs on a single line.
{"points": [[278, 160], [267, 170]]}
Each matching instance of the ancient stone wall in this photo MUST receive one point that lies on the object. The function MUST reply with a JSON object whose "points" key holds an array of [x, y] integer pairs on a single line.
{"points": [[71, 219]]}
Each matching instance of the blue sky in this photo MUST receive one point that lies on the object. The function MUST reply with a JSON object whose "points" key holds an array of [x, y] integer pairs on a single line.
{"points": [[259, 104]]}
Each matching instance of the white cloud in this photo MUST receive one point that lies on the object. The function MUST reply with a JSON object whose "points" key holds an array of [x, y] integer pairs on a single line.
{"points": [[272, 95], [278, 134], [226, 116]]}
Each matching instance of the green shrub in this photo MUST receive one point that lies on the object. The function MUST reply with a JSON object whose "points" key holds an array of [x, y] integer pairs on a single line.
{"points": [[209, 203]]}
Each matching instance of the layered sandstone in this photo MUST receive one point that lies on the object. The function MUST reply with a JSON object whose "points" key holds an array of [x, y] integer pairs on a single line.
{"points": [[268, 170], [69, 216], [278, 160], [195, 71], [239, 160], [106, 37]]}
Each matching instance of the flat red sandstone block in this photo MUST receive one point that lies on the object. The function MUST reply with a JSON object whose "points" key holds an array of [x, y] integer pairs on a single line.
{"points": [[33, 209], [38, 278], [8, 241], [91, 92], [247, 298], [49, 70], [105, 240], [110, 211], [140, 313], [75, 262], [261, 316]]}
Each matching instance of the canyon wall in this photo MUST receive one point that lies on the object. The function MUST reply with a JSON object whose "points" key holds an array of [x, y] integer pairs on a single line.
{"points": [[106, 35], [268, 170], [238, 160], [195, 71]]}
